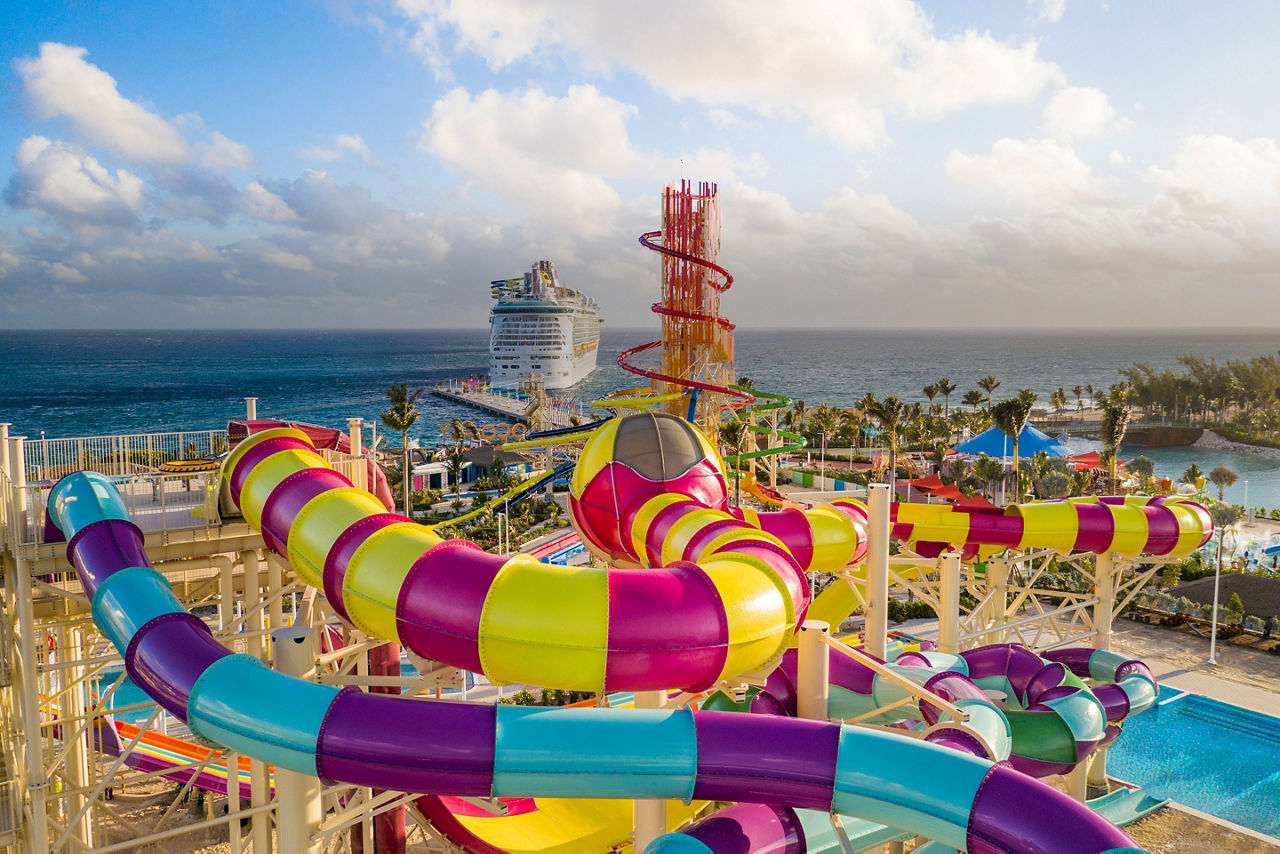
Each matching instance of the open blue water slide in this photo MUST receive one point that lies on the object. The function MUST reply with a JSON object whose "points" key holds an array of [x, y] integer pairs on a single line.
{"points": [[440, 747]]}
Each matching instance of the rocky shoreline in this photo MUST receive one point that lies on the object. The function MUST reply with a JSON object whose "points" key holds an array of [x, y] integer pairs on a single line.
{"points": [[1213, 441]]}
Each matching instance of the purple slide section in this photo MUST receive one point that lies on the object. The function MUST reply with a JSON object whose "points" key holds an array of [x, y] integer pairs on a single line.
{"points": [[751, 828], [1007, 818]]}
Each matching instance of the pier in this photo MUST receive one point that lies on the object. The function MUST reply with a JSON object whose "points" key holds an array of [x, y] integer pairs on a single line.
{"points": [[536, 410]]}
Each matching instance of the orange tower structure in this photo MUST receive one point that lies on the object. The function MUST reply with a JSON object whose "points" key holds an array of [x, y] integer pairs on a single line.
{"points": [[697, 342]]}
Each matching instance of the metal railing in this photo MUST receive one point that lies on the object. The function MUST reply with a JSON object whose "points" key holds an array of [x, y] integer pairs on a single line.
{"points": [[157, 502], [128, 454]]}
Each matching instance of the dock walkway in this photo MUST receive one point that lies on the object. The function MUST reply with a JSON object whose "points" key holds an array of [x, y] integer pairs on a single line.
{"points": [[509, 405]]}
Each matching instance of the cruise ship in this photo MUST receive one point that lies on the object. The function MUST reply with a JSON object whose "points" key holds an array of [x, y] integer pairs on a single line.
{"points": [[538, 327]]}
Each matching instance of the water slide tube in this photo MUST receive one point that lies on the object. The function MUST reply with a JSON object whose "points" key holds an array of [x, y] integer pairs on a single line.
{"points": [[1051, 719], [444, 748], [321, 437]]}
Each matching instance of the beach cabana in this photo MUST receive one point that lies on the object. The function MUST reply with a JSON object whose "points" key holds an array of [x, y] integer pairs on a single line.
{"points": [[996, 443]]}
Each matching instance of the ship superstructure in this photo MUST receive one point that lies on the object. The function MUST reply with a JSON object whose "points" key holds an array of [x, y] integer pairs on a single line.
{"points": [[539, 327]]}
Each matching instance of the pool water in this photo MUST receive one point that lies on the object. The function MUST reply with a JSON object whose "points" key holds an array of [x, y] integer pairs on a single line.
{"points": [[1215, 757]]}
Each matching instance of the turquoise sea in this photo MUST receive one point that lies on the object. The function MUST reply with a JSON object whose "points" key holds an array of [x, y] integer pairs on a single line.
{"points": [[65, 383]]}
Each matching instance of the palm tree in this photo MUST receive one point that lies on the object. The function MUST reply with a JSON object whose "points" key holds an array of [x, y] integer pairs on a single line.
{"points": [[1115, 420], [1059, 401], [732, 435], [930, 391], [1222, 477], [988, 470], [1089, 388], [1079, 391], [1028, 397], [400, 418], [945, 388], [1192, 474], [1011, 417], [972, 397], [988, 384], [797, 417], [461, 432], [889, 413]]}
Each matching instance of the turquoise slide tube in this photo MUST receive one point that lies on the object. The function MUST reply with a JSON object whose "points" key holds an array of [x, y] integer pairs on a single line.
{"points": [[128, 599], [78, 502], [594, 753], [934, 799], [237, 701]]}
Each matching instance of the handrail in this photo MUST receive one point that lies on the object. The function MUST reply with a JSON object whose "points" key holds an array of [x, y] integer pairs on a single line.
{"points": [[914, 688]]}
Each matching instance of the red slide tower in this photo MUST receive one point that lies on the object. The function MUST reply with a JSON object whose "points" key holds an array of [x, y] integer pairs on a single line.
{"points": [[697, 342]]}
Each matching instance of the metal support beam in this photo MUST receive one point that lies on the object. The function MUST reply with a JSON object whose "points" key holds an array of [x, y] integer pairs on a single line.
{"points": [[300, 809], [877, 607], [949, 602], [650, 816], [1104, 585], [813, 665]]}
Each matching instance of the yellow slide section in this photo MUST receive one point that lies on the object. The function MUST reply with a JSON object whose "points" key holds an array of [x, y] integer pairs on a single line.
{"points": [[562, 826]]}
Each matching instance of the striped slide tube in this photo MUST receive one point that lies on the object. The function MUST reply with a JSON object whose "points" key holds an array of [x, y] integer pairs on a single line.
{"points": [[428, 747]]}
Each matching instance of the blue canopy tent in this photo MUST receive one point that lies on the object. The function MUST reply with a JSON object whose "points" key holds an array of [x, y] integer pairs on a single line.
{"points": [[996, 443]]}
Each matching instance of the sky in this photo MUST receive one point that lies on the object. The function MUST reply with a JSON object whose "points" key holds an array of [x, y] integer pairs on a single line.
{"points": [[880, 163]]}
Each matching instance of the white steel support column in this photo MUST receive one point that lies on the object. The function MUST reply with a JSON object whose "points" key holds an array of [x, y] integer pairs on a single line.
{"points": [[18, 477], [259, 782], [877, 607], [650, 816], [300, 808], [813, 664], [29, 697], [353, 430], [4, 471], [1078, 781], [77, 698], [29, 708], [1104, 585], [227, 595], [949, 602], [275, 611], [997, 605], [251, 408]]}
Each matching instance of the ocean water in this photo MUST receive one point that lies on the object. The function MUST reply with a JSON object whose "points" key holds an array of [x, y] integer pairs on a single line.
{"points": [[92, 383]]}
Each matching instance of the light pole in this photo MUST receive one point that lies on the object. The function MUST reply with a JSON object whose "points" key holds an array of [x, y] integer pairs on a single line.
{"points": [[822, 463], [1213, 616], [1247, 512]]}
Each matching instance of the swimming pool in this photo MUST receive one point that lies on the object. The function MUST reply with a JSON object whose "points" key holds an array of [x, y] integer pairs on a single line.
{"points": [[1215, 757]]}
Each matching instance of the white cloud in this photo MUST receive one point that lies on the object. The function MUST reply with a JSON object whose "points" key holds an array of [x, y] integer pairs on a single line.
{"points": [[343, 143], [198, 250], [221, 154], [65, 273], [32, 232], [840, 66], [260, 203], [1037, 173], [72, 187], [1079, 112], [722, 118], [1049, 11], [61, 83], [287, 260], [551, 156], [1220, 176], [1118, 158]]}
